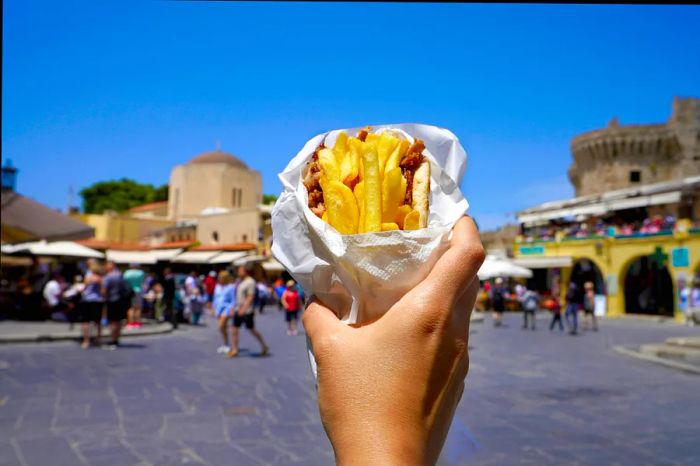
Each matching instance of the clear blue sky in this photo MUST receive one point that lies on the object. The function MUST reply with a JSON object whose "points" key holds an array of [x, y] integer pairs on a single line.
{"points": [[110, 89]]}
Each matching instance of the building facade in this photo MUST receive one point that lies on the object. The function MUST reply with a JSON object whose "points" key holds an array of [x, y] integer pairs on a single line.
{"points": [[634, 228]]}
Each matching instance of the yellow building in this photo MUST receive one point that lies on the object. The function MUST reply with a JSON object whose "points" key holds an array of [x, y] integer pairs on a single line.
{"points": [[124, 228], [640, 271]]}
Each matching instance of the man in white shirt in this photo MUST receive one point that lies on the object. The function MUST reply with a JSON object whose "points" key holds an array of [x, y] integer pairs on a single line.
{"points": [[52, 294]]}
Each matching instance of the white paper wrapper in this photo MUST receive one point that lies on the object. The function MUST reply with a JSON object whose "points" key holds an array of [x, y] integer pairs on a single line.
{"points": [[361, 276]]}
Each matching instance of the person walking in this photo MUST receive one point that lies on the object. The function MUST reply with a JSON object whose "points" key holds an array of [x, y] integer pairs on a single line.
{"points": [[209, 284], [92, 303], [223, 302], [135, 277], [291, 301], [574, 300], [498, 301], [555, 309], [589, 306], [118, 295], [53, 292], [260, 296], [530, 302], [191, 281], [245, 312], [169, 297], [195, 302]]}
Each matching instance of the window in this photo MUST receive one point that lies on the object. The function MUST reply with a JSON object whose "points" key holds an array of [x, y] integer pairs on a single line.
{"points": [[635, 176], [245, 238], [234, 192], [240, 196]]}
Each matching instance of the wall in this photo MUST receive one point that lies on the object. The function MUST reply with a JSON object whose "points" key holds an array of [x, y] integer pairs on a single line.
{"points": [[231, 227], [612, 256], [122, 229]]}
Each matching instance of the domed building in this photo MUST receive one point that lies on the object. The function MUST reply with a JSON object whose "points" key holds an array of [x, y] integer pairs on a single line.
{"points": [[217, 196], [623, 156], [213, 181]]}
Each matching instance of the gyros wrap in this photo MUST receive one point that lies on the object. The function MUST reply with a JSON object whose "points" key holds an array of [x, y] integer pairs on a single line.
{"points": [[365, 213]]}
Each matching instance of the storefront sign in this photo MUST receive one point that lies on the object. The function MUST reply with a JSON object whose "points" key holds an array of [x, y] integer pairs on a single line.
{"points": [[680, 257], [532, 250]]}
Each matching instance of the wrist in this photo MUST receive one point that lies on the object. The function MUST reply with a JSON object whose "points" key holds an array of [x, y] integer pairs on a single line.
{"points": [[385, 447]]}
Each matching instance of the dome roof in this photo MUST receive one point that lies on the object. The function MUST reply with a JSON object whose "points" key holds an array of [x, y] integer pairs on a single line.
{"points": [[218, 156]]}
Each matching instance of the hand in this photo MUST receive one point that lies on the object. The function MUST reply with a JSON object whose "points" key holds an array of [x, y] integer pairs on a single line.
{"points": [[388, 389]]}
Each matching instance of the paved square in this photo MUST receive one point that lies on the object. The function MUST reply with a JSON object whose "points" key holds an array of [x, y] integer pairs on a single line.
{"points": [[531, 398]]}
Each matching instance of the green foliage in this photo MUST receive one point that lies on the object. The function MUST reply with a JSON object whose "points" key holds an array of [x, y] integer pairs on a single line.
{"points": [[269, 199], [120, 195]]}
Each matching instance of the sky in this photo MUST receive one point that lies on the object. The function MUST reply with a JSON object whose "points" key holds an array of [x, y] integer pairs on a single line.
{"points": [[94, 91]]}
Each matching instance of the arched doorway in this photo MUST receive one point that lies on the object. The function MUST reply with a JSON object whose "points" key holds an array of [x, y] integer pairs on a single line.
{"points": [[648, 287], [585, 270]]}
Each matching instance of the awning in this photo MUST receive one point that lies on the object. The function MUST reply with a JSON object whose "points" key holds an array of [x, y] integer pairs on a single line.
{"points": [[667, 192], [644, 201], [495, 266], [227, 257], [195, 257], [272, 266], [551, 262], [593, 209], [53, 249], [246, 259], [165, 254], [130, 257]]}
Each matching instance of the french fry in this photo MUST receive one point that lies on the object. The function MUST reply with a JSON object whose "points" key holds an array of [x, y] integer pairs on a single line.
{"points": [[355, 147], [359, 193], [391, 193], [341, 206], [372, 138], [341, 145], [396, 155], [372, 191], [385, 146], [389, 226], [412, 221], [401, 213], [329, 164]]}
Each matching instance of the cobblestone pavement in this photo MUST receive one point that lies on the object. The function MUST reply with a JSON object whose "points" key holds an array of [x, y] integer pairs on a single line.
{"points": [[531, 398]]}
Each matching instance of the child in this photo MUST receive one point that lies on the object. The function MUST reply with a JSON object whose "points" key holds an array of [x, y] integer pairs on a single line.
{"points": [[552, 304], [196, 302], [291, 302]]}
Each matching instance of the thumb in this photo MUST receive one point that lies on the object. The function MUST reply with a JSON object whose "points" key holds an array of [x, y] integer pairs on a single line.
{"points": [[319, 320]]}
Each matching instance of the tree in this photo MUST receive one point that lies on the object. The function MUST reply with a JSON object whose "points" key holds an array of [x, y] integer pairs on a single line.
{"points": [[269, 199], [120, 195]]}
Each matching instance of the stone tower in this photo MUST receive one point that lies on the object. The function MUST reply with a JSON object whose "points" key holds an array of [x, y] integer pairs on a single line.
{"points": [[622, 156]]}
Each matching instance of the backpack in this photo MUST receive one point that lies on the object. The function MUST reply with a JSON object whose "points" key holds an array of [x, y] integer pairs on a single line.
{"points": [[530, 303], [125, 290], [497, 299]]}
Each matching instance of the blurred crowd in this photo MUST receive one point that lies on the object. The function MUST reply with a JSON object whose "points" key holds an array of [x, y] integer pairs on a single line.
{"points": [[104, 295], [598, 228]]}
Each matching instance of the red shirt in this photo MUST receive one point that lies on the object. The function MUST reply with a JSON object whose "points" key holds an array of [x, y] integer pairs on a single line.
{"points": [[291, 299], [209, 284]]}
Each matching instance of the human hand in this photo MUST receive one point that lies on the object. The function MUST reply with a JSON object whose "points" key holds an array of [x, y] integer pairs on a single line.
{"points": [[388, 389]]}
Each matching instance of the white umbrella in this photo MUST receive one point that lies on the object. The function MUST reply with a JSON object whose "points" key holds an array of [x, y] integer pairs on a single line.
{"points": [[54, 248], [495, 266]]}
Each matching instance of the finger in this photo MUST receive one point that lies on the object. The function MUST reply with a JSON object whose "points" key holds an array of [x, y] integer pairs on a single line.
{"points": [[458, 266], [319, 320]]}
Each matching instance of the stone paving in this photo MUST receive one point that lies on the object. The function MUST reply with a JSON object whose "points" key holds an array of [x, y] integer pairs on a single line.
{"points": [[531, 398]]}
